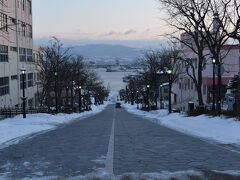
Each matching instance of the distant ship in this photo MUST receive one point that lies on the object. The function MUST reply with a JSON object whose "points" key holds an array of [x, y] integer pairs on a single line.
{"points": [[116, 69]]}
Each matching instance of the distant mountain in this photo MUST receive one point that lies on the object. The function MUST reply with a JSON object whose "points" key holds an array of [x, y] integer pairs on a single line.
{"points": [[106, 50]]}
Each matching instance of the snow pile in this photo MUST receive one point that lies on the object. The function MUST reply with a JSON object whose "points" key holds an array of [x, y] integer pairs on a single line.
{"points": [[165, 175], [14, 129], [220, 129]]}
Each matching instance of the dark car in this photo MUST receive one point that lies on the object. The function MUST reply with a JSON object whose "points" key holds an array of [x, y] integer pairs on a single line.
{"points": [[118, 105]]}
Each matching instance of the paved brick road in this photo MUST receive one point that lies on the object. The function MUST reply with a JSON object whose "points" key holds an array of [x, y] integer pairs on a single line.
{"points": [[139, 146]]}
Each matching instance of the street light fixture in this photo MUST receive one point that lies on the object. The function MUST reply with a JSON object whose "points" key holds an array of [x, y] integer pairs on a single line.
{"points": [[132, 98], [214, 86], [169, 72], [55, 89], [148, 97], [80, 98], [137, 100], [23, 71], [161, 96]]}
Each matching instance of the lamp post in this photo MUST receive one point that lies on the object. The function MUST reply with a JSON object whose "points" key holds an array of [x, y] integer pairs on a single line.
{"points": [[148, 98], [132, 98], [161, 96], [214, 86], [80, 98], [23, 71], [169, 72], [55, 89], [137, 100]]}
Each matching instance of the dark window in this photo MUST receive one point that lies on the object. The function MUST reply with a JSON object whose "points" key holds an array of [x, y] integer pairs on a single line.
{"points": [[29, 55], [4, 22], [3, 53], [22, 54], [30, 80], [29, 6], [23, 5], [4, 86], [14, 77], [13, 49], [188, 83]]}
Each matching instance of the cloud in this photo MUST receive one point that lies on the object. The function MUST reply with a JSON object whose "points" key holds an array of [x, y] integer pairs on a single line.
{"points": [[130, 31], [125, 33], [111, 33]]}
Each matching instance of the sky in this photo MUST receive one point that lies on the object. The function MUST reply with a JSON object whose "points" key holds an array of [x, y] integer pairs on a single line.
{"points": [[128, 22]]}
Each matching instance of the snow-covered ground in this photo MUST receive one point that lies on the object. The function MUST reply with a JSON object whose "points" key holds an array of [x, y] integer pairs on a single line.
{"points": [[12, 130], [220, 129]]}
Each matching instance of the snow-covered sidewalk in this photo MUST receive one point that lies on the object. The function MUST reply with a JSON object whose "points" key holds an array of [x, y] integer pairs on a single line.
{"points": [[12, 130], [220, 129]]}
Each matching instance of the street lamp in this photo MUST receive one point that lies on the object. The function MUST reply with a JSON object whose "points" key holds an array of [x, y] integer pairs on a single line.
{"points": [[161, 96], [214, 86], [137, 100], [148, 98], [80, 98], [169, 72], [23, 71], [55, 89], [132, 98]]}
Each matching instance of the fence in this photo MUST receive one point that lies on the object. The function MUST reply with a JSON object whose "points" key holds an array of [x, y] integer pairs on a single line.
{"points": [[12, 112]]}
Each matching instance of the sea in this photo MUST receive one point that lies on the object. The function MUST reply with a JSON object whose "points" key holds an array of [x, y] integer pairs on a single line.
{"points": [[113, 80]]}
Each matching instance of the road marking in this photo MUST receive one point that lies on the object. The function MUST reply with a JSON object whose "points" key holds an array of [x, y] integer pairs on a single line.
{"points": [[110, 153]]}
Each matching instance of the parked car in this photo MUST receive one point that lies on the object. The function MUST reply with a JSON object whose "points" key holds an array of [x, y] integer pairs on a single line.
{"points": [[118, 105]]}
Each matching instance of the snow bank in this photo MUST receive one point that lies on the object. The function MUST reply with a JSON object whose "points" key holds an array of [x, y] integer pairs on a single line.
{"points": [[14, 129], [220, 129], [165, 175]]}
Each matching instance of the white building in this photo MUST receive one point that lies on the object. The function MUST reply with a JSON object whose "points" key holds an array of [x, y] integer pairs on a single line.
{"points": [[184, 89], [16, 52]]}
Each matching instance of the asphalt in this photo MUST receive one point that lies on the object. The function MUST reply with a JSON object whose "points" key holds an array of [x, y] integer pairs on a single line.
{"points": [[139, 146]]}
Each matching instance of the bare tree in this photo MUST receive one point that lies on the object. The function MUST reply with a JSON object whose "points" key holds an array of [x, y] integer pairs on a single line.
{"points": [[185, 18], [150, 64]]}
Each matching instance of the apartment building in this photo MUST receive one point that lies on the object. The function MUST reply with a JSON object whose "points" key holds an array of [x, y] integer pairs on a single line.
{"points": [[16, 52], [184, 89]]}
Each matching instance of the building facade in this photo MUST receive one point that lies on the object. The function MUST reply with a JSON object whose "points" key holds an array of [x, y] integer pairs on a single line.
{"points": [[184, 89], [16, 52]]}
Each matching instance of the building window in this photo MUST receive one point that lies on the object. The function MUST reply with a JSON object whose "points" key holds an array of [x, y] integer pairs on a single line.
{"points": [[22, 54], [192, 85], [4, 22], [3, 53], [23, 5], [14, 77], [21, 81], [29, 30], [30, 80], [29, 55], [30, 102], [4, 86], [188, 84], [29, 7], [22, 28], [13, 49]]}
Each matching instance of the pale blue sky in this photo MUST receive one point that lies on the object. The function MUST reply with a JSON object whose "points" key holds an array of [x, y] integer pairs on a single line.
{"points": [[97, 20]]}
